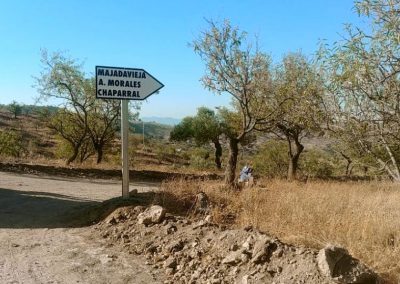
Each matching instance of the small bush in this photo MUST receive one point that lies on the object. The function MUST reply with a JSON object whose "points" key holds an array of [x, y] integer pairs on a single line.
{"points": [[11, 144], [271, 159], [200, 159], [164, 152], [316, 163], [64, 150]]}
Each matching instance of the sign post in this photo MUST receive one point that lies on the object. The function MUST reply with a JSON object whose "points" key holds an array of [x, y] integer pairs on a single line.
{"points": [[125, 84], [124, 148]]}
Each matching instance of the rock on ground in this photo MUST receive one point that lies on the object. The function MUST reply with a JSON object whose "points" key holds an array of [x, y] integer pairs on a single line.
{"points": [[152, 215], [336, 262]]}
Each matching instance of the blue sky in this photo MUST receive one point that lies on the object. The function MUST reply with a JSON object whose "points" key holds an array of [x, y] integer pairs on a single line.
{"points": [[154, 35]]}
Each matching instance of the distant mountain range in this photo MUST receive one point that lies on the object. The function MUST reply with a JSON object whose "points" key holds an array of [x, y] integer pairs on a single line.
{"points": [[161, 120]]}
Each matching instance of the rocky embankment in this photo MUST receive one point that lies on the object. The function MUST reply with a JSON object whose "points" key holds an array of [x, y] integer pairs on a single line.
{"points": [[199, 251]]}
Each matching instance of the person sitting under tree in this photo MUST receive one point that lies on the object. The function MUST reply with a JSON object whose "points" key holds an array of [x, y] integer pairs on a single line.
{"points": [[246, 175]]}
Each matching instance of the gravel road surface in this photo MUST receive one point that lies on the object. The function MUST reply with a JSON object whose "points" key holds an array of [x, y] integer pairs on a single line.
{"points": [[36, 244]]}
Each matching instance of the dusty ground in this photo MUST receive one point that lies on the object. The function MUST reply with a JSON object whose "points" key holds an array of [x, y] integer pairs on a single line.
{"points": [[46, 237], [37, 244]]}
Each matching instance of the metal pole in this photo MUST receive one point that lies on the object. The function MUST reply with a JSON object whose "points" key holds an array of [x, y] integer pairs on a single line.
{"points": [[124, 148], [143, 132]]}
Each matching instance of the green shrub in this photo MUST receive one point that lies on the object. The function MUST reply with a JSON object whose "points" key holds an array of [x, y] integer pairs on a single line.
{"points": [[164, 152], [271, 159], [64, 150], [200, 158], [316, 163], [11, 144]]}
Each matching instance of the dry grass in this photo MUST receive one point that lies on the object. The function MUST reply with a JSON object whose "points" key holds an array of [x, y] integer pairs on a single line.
{"points": [[364, 217]]}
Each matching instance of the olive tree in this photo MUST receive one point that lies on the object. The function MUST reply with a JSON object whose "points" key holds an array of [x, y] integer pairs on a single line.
{"points": [[62, 79], [362, 75], [183, 130], [15, 108], [69, 127], [298, 96], [204, 127], [103, 121], [236, 68]]}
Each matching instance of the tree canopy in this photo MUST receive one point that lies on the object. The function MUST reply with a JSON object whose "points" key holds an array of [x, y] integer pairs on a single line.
{"points": [[82, 117], [298, 95], [234, 67], [362, 75], [204, 128]]}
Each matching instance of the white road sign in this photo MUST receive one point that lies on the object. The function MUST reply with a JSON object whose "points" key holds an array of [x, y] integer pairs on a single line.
{"points": [[125, 83]]}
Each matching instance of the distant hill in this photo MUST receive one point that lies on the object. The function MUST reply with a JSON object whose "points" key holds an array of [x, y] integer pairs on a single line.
{"points": [[31, 109], [152, 129], [155, 127], [162, 120]]}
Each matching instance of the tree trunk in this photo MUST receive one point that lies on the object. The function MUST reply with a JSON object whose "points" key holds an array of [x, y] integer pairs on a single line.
{"points": [[232, 162], [393, 173], [395, 165], [348, 165], [99, 154], [74, 155], [294, 155], [218, 153]]}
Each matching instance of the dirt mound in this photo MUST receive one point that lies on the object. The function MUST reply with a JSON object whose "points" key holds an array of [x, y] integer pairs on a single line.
{"points": [[112, 211], [203, 252]]}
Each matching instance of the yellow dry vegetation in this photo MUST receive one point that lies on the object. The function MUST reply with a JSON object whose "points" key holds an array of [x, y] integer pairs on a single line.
{"points": [[364, 216]]}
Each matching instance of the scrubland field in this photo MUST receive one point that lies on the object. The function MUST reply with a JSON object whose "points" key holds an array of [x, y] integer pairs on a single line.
{"points": [[361, 216]]}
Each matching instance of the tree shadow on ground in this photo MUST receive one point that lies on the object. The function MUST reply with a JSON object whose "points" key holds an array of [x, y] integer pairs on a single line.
{"points": [[30, 209]]}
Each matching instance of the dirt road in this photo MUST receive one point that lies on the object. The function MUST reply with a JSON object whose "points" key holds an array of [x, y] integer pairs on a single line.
{"points": [[36, 245]]}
